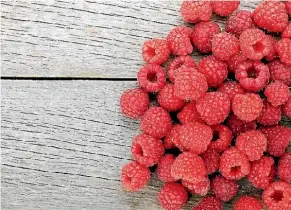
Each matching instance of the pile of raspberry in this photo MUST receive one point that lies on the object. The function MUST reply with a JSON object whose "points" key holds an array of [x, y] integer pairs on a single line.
{"points": [[206, 125]]}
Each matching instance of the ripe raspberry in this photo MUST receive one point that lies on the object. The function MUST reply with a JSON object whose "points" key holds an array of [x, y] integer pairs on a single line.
{"points": [[224, 189], [209, 203], [234, 164], [202, 35], [198, 188], [252, 75], [168, 100], [156, 122], [247, 202], [247, 107], [278, 138], [151, 78], [254, 44], [280, 72], [188, 167], [134, 103], [277, 93], [235, 61], [231, 88], [272, 54], [284, 167], [286, 108], [270, 115], [134, 176], [221, 138], [172, 138], [278, 196], [271, 15], [155, 51], [147, 150], [196, 11], [287, 32], [283, 48], [214, 70], [179, 42], [238, 126], [224, 8], [195, 137], [224, 46], [239, 22], [214, 107], [172, 196], [211, 160], [164, 168], [189, 114], [288, 6]]}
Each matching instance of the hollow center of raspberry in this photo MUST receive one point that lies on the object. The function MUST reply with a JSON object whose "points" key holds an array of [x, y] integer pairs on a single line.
{"points": [[151, 52], [277, 196], [258, 47], [152, 77], [215, 136], [252, 73], [139, 150], [235, 170]]}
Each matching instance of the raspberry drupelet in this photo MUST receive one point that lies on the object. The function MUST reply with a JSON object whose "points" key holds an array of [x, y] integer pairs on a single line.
{"points": [[172, 138], [286, 108], [287, 32], [235, 60], [164, 168], [223, 188], [211, 160], [247, 202], [189, 114], [224, 8], [155, 51], [283, 48], [279, 71], [222, 136], [277, 93], [238, 126], [270, 115], [196, 11], [284, 167], [209, 203], [231, 88], [179, 42], [198, 188]]}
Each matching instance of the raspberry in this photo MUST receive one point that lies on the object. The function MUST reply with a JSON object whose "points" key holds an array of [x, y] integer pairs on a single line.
{"points": [[198, 188], [224, 8], [272, 54], [147, 150], [214, 70], [239, 22], [134, 176], [271, 15], [180, 61], [270, 115], [224, 46], [238, 126], [188, 167], [280, 72], [151, 78], [234, 164], [224, 189], [195, 137], [156, 122], [189, 114], [235, 60], [164, 168], [283, 48], [247, 202], [134, 103], [211, 160], [284, 168], [247, 107], [287, 32], [254, 44], [231, 88], [277, 93], [286, 108], [262, 172], [172, 138], [172, 196], [179, 40], [209, 203], [155, 51], [214, 107], [202, 35], [221, 138], [168, 100], [252, 75], [288, 6], [278, 138], [277, 196], [196, 11]]}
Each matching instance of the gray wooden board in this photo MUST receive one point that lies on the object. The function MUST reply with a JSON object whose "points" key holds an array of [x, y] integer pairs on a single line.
{"points": [[84, 38]]}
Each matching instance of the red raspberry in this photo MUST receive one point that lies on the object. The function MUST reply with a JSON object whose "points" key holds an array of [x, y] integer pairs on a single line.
{"points": [[214, 70], [277, 93], [278, 196], [231, 88], [196, 11], [156, 122], [278, 139], [147, 150], [179, 40], [134, 176], [209, 203], [134, 103], [202, 35], [189, 114], [151, 78], [168, 100], [195, 137], [272, 54], [234, 164], [254, 44], [252, 75], [280, 72], [287, 32], [247, 107], [283, 48], [238, 126], [198, 188], [155, 51], [164, 168], [172, 138], [214, 107], [224, 8], [284, 167], [271, 15], [288, 6], [262, 172], [239, 22], [224, 189], [211, 160], [188, 167], [221, 138], [224, 46], [286, 108], [247, 202], [172, 196], [270, 115], [252, 143], [235, 61]]}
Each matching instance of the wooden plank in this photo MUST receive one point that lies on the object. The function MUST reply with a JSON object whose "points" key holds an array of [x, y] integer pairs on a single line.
{"points": [[83, 38]]}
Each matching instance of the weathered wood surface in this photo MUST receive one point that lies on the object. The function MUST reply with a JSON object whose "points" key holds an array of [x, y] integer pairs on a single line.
{"points": [[83, 38]]}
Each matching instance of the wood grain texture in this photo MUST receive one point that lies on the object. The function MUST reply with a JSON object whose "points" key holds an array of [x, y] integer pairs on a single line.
{"points": [[83, 38]]}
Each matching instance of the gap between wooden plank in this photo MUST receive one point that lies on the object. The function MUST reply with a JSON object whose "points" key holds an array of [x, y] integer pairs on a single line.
{"points": [[67, 78]]}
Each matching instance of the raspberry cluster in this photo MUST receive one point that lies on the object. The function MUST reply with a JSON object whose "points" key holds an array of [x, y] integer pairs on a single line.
{"points": [[206, 125]]}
